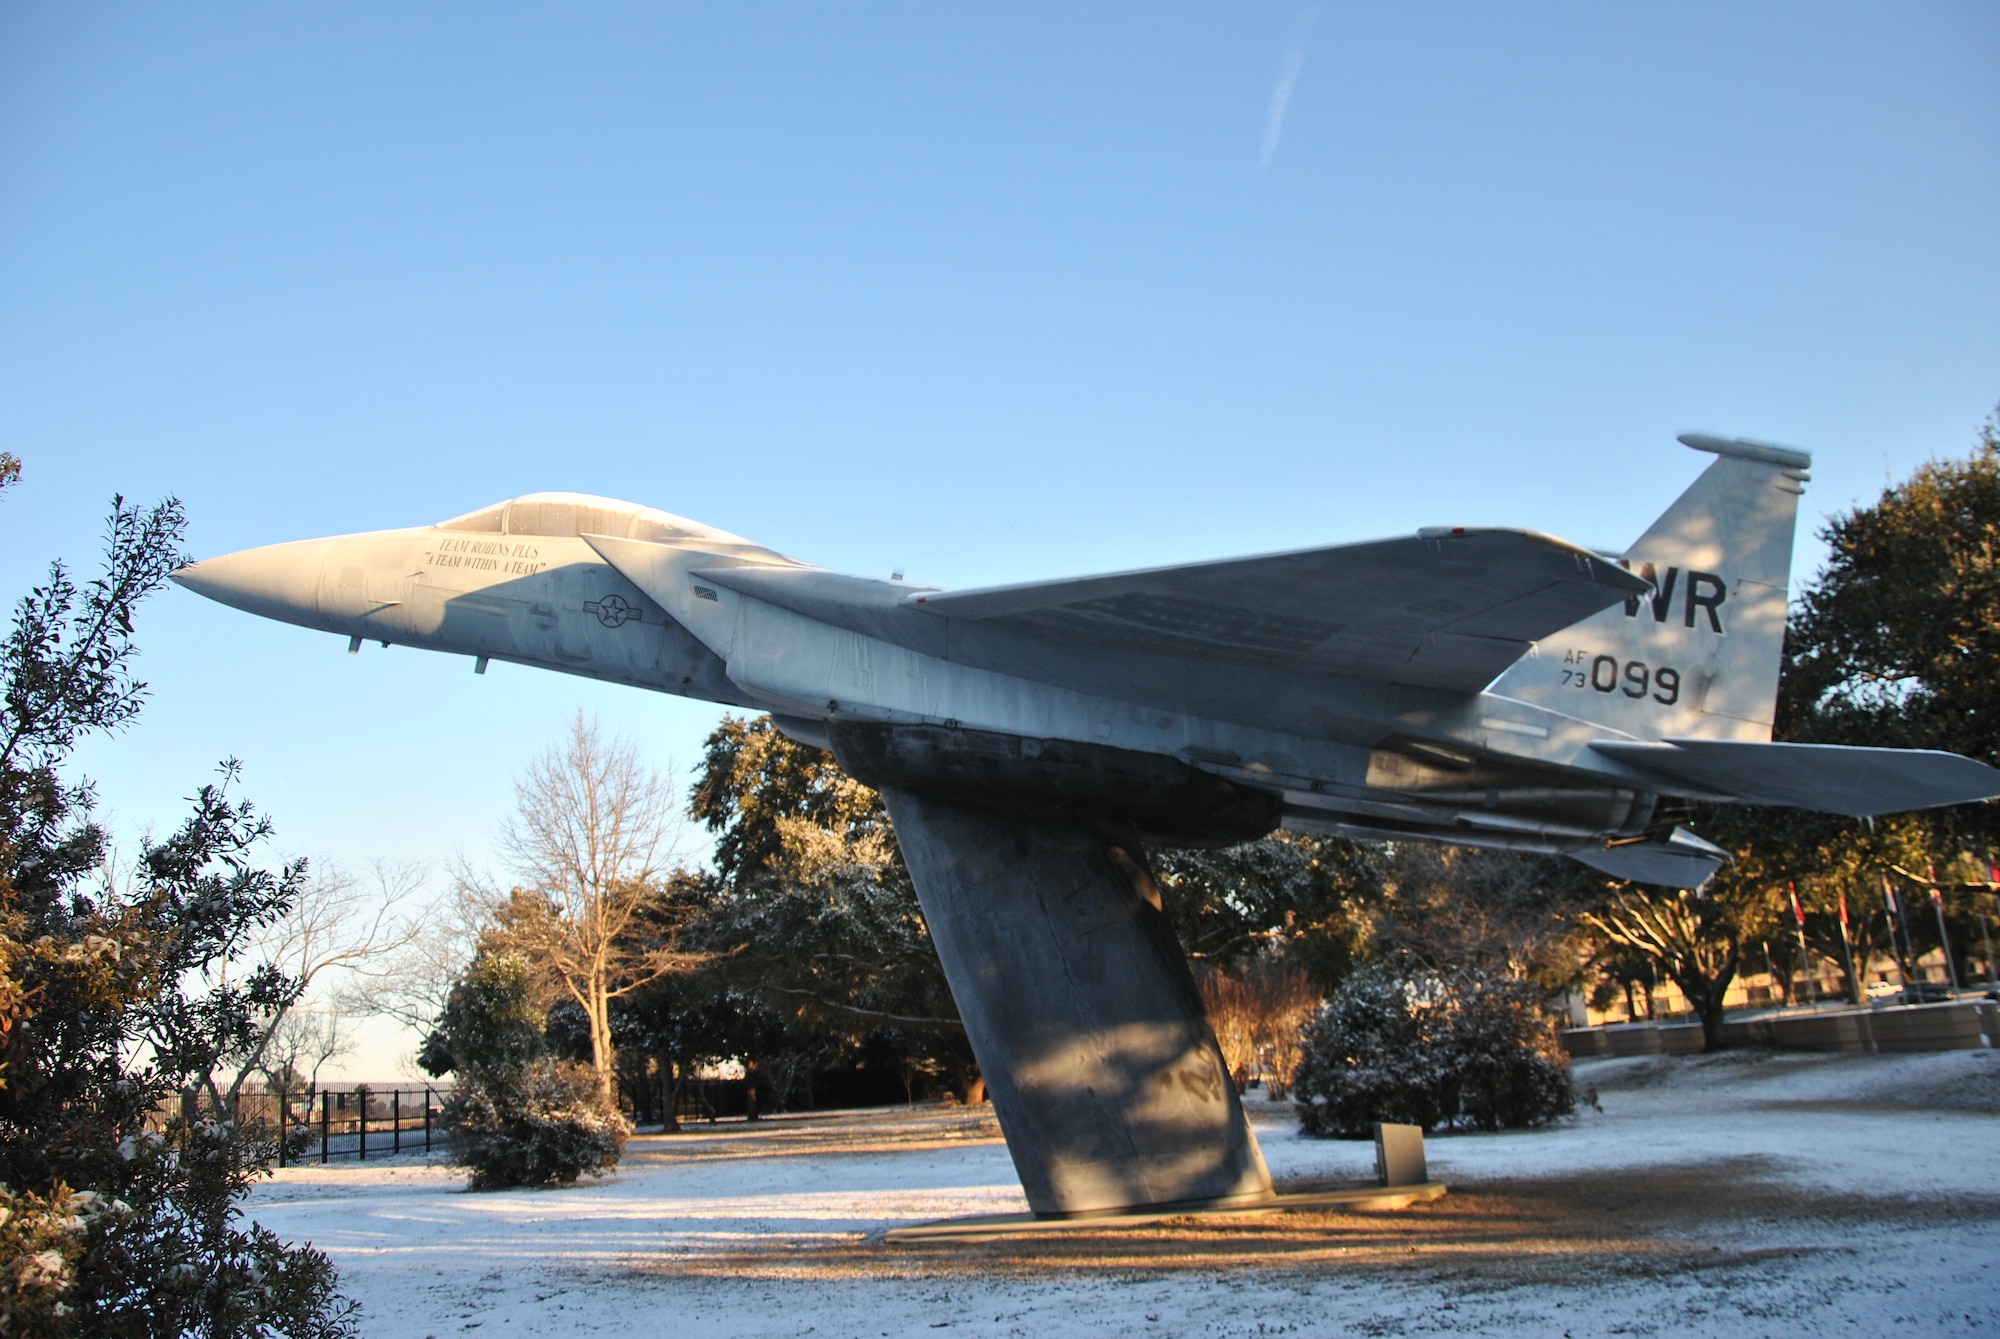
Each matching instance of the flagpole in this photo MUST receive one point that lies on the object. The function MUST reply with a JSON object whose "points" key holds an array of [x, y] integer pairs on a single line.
{"points": [[1805, 957], [1986, 934], [1944, 938], [1907, 949], [1847, 952]]}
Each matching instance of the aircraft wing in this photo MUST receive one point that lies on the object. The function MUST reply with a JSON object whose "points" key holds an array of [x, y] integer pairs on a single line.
{"points": [[1836, 778], [1444, 608]]}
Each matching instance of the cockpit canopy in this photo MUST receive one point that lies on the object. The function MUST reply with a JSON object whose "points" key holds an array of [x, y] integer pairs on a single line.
{"points": [[566, 515]]}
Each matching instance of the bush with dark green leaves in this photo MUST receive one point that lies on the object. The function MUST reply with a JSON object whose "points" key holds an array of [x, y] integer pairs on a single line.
{"points": [[122, 1175], [1407, 1047], [519, 1116]]}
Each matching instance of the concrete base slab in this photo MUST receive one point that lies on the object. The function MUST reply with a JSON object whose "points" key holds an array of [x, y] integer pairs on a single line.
{"points": [[1013, 1226]]}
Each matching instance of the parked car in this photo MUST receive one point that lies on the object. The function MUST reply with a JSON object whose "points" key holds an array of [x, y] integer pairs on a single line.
{"points": [[1882, 990], [1925, 992]]}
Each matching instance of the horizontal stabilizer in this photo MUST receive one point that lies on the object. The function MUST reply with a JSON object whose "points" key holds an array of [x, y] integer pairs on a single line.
{"points": [[1833, 778], [1683, 860]]}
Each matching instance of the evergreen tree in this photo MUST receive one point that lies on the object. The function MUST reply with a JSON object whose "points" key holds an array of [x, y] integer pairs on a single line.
{"points": [[814, 913], [1314, 895], [1896, 639]]}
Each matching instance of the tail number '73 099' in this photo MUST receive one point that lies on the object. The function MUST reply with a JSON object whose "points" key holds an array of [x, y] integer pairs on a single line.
{"points": [[1633, 678]]}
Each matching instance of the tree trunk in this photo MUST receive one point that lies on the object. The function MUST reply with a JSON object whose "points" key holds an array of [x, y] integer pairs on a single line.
{"points": [[639, 1091], [602, 1055], [1711, 1024], [670, 1120], [1707, 994], [968, 1085]]}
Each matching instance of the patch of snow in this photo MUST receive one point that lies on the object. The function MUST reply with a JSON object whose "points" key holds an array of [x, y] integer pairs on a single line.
{"points": [[737, 1230]]}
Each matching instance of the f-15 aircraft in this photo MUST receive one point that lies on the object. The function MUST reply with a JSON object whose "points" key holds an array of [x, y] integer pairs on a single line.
{"points": [[1477, 686]]}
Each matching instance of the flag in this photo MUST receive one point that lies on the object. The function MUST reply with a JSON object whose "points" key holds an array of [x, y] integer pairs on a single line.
{"points": [[1843, 913], [1798, 912]]}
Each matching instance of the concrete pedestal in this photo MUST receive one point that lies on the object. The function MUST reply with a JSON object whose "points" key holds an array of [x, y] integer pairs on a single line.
{"points": [[1076, 997]]}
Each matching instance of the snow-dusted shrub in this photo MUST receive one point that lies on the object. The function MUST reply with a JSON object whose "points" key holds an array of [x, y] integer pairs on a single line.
{"points": [[1419, 1048], [1370, 1054], [41, 1239], [544, 1124], [519, 1116], [1504, 1066]]}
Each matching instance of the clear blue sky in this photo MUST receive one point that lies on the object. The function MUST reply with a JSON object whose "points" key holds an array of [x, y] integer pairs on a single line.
{"points": [[984, 293]]}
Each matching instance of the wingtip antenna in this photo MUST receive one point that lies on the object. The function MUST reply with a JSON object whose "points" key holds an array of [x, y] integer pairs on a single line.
{"points": [[1745, 448]]}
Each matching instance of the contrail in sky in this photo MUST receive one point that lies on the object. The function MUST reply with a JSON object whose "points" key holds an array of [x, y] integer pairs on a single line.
{"points": [[1281, 95]]}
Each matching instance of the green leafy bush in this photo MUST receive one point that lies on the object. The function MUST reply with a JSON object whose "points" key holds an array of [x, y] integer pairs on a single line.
{"points": [[519, 1117], [121, 1174], [1419, 1048]]}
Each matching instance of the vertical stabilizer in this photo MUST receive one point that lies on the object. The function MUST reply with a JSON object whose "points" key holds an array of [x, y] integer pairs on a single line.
{"points": [[1699, 658]]}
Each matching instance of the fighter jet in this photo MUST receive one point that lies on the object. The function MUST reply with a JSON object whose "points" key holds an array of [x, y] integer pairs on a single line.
{"points": [[1476, 686]]}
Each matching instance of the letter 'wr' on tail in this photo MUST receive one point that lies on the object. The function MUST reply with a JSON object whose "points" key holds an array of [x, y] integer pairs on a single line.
{"points": [[1699, 658]]}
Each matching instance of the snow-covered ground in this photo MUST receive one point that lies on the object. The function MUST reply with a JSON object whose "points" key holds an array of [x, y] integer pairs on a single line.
{"points": [[1741, 1194]]}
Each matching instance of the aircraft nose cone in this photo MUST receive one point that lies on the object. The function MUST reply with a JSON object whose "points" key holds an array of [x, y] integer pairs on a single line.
{"points": [[277, 581]]}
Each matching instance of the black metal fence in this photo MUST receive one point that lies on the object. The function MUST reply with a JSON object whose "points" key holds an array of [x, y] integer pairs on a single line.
{"points": [[333, 1123]]}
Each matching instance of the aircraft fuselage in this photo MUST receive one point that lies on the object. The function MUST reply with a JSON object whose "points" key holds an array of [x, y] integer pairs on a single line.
{"points": [[1364, 756]]}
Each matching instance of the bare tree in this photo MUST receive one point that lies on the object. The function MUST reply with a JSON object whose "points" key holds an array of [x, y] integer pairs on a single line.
{"points": [[1232, 1013], [593, 839], [414, 982], [337, 925], [1257, 1013], [304, 1042], [1452, 906], [1286, 999]]}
